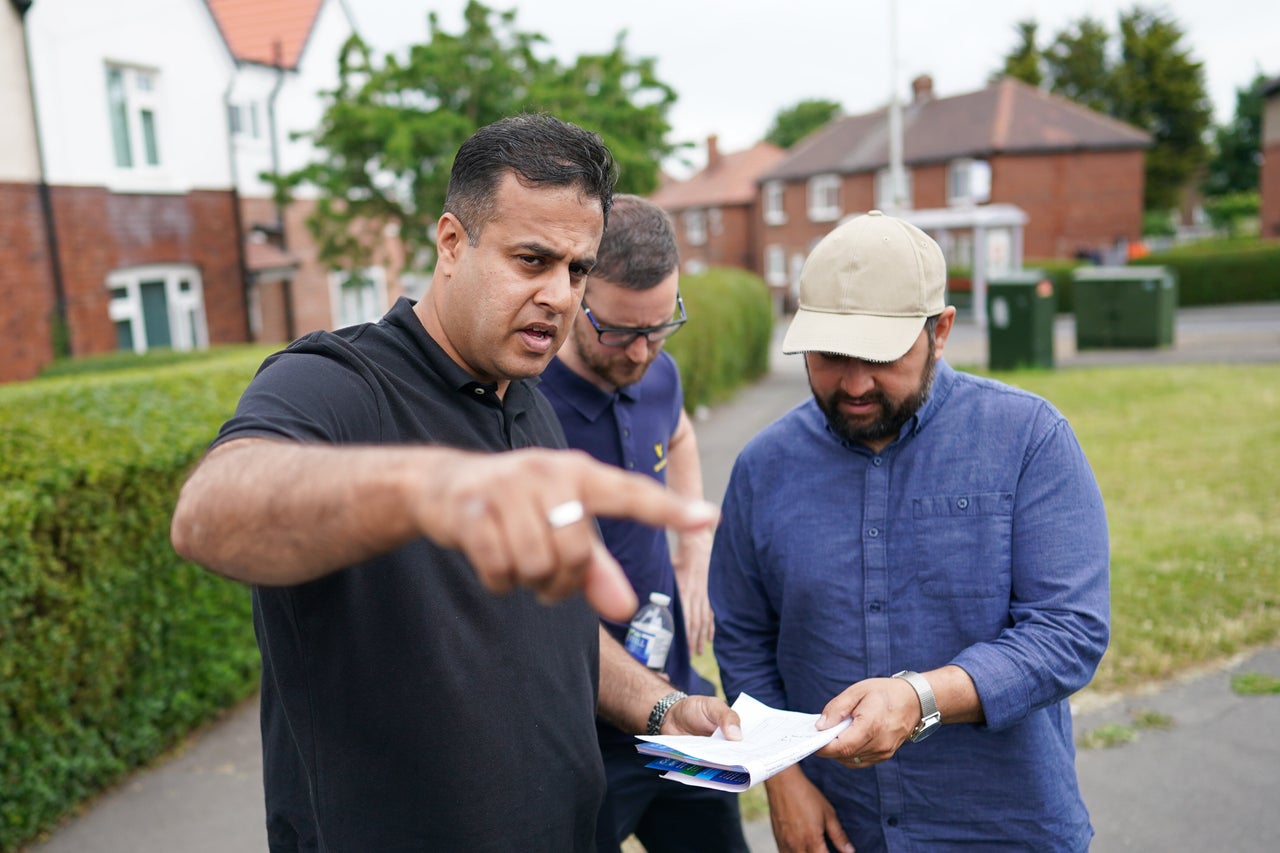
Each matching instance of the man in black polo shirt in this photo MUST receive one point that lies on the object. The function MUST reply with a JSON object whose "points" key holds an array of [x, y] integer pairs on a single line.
{"points": [[430, 673]]}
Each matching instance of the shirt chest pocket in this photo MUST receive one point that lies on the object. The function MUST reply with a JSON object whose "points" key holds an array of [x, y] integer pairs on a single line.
{"points": [[963, 544]]}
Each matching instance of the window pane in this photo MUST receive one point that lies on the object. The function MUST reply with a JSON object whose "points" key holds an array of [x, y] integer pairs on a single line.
{"points": [[117, 105], [149, 137], [124, 335]]}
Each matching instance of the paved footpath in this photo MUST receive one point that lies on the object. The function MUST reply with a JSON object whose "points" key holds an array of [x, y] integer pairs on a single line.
{"points": [[1210, 782]]}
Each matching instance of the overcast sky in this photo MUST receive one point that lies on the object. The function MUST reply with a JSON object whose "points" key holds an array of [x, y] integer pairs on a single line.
{"points": [[735, 63]]}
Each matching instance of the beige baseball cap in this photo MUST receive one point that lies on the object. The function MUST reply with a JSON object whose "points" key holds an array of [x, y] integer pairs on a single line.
{"points": [[866, 290]]}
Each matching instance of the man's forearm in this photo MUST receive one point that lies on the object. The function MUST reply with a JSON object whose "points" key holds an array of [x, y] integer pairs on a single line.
{"points": [[276, 512], [628, 691], [684, 466]]}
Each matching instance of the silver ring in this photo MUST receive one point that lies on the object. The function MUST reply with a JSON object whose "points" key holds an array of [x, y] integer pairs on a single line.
{"points": [[562, 515]]}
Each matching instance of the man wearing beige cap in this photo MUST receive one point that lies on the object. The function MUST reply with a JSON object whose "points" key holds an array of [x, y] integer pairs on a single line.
{"points": [[930, 549]]}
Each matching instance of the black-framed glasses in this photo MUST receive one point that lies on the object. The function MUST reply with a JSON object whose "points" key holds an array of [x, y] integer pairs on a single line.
{"points": [[622, 336]]}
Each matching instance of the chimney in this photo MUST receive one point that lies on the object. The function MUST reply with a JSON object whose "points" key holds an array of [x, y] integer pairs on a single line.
{"points": [[713, 151], [922, 89]]}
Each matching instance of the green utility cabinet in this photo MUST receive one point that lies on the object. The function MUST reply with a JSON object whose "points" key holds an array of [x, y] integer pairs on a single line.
{"points": [[1020, 309], [1124, 306]]}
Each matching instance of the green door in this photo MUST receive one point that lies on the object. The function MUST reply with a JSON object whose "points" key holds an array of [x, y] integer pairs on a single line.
{"points": [[155, 314]]}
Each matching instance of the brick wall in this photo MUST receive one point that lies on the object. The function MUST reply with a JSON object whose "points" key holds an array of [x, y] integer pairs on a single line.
{"points": [[312, 302], [1269, 178], [26, 285], [100, 232], [1270, 184], [1074, 201]]}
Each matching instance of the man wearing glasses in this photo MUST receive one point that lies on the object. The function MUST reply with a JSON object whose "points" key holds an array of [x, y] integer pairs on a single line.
{"points": [[618, 397]]}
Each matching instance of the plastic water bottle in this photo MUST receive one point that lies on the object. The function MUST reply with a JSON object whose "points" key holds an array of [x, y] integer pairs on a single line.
{"points": [[649, 637]]}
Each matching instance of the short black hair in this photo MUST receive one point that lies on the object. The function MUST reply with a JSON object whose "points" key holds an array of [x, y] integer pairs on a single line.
{"points": [[638, 250], [538, 149]]}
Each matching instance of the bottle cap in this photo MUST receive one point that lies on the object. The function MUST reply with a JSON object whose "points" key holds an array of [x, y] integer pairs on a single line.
{"points": [[660, 598]]}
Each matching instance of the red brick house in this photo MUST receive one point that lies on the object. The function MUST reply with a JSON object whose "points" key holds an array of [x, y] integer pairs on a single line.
{"points": [[717, 210], [1269, 178], [27, 294], [117, 214], [1075, 173], [132, 214], [285, 54]]}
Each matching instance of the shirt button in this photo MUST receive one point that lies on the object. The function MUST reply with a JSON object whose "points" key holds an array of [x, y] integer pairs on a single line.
{"points": [[963, 503], [873, 532], [877, 461], [626, 433], [479, 391], [874, 607], [893, 821], [631, 465]]}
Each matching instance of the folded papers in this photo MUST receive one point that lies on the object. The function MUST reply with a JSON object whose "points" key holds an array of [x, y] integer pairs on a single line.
{"points": [[772, 741]]}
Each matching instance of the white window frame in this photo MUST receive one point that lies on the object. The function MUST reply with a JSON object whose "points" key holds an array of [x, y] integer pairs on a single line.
{"points": [[243, 120], [695, 227], [137, 105], [775, 265], [824, 198], [968, 182], [354, 304], [884, 190], [774, 211], [184, 304]]}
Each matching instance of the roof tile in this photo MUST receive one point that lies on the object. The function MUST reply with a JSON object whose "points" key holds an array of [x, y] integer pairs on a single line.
{"points": [[1006, 117], [728, 180], [269, 32]]}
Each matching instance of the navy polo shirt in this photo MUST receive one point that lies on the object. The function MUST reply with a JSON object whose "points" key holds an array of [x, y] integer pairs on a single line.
{"points": [[631, 428]]}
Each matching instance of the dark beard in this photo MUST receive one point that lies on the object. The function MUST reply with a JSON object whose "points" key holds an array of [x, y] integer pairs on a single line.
{"points": [[613, 370], [892, 416]]}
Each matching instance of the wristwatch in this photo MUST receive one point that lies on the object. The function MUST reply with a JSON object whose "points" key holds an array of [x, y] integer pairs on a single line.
{"points": [[930, 719], [660, 709]]}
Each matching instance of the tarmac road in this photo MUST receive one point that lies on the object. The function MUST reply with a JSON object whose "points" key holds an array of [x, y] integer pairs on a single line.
{"points": [[1210, 782]]}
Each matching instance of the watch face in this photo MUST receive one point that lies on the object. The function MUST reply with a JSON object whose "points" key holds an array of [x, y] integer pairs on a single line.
{"points": [[927, 727]]}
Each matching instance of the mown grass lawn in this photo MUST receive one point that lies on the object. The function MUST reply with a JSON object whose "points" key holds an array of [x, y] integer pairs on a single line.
{"points": [[1187, 458]]}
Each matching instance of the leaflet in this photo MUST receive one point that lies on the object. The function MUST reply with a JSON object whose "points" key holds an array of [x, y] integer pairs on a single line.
{"points": [[772, 741]]}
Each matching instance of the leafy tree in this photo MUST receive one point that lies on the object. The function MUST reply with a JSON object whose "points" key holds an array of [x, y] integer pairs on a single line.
{"points": [[1151, 82], [623, 100], [391, 127], [1233, 166], [1230, 211], [1025, 61], [1079, 68], [1161, 89], [794, 123]]}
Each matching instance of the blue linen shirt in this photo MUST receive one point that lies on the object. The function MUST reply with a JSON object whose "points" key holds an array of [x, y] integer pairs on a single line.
{"points": [[976, 538], [631, 428]]}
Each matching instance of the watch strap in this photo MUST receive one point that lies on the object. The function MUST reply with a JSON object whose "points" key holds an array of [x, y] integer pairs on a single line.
{"points": [[660, 709], [930, 719]]}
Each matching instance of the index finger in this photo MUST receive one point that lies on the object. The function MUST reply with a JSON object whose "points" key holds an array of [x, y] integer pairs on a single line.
{"points": [[614, 493], [606, 587]]}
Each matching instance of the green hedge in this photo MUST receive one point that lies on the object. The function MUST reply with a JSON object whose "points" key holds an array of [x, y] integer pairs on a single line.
{"points": [[1059, 272], [725, 344], [111, 647], [1220, 272]]}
